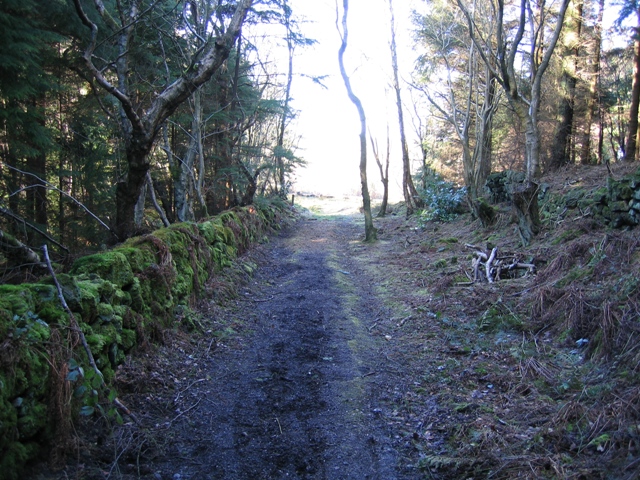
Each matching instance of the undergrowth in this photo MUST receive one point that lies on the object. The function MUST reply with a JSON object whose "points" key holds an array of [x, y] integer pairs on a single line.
{"points": [[533, 377]]}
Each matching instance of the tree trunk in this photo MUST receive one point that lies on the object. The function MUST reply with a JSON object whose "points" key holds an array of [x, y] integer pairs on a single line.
{"points": [[384, 173], [37, 164], [154, 201], [140, 205], [128, 191], [411, 198], [593, 95], [525, 202], [369, 230], [484, 142], [282, 189], [184, 185], [561, 150], [630, 146]]}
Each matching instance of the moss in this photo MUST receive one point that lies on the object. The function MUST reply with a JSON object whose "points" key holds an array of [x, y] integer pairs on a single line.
{"points": [[13, 459], [573, 197], [96, 341], [139, 254], [112, 266], [128, 339], [119, 298], [178, 244], [575, 274], [23, 381], [499, 317], [567, 236], [14, 300], [442, 263], [105, 312], [32, 417]]}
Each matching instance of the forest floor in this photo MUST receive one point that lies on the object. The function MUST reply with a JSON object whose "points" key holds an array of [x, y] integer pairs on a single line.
{"points": [[337, 359]]}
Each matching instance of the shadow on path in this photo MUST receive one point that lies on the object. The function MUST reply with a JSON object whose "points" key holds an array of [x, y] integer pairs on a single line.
{"points": [[298, 398]]}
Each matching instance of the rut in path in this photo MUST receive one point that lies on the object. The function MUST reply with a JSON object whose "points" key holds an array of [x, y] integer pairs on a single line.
{"points": [[300, 396]]}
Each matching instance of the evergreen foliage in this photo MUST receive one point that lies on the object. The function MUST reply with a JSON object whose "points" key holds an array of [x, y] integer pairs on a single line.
{"points": [[442, 198]]}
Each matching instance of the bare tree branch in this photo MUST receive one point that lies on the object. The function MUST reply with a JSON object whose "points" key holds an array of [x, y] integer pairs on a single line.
{"points": [[54, 188], [8, 213]]}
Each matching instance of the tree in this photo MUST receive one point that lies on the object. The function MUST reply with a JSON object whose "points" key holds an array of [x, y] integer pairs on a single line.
{"points": [[291, 44], [384, 172], [593, 96], [631, 7], [467, 98], [26, 59], [524, 94], [142, 117], [369, 229], [572, 39], [411, 198]]}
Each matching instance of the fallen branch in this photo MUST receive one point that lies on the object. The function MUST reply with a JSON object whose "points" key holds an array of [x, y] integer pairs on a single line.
{"points": [[491, 266], [18, 252]]}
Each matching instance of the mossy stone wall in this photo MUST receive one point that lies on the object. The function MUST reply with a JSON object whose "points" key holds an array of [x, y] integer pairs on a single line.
{"points": [[120, 298], [617, 204]]}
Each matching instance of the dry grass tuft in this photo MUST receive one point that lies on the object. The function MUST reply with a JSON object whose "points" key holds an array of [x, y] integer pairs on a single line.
{"points": [[60, 406]]}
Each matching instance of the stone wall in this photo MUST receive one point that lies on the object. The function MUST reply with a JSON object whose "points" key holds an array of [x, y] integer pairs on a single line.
{"points": [[121, 298], [617, 204]]}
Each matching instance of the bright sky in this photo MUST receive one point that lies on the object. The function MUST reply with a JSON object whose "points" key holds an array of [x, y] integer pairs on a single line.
{"points": [[328, 121]]}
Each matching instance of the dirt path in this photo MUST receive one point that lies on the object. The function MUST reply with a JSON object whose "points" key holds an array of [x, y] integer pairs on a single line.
{"points": [[304, 393], [341, 360]]}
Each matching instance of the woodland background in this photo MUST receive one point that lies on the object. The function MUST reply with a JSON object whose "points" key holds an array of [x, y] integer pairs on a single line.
{"points": [[162, 127], [78, 80]]}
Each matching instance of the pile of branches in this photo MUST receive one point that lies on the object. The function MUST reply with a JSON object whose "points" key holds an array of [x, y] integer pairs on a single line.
{"points": [[489, 265]]}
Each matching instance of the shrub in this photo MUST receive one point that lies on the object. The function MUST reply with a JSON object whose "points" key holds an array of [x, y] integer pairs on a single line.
{"points": [[443, 199]]}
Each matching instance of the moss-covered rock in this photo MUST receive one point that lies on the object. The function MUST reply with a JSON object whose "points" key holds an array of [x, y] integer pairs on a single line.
{"points": [[112, 266]]}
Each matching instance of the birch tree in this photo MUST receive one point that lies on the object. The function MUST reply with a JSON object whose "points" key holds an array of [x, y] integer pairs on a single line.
{"points": [[411, 198], [466, 98], [369, 229], [505, 52]]}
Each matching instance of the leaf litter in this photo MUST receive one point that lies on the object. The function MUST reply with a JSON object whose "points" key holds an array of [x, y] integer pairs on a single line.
{"points": [[345, 360]]}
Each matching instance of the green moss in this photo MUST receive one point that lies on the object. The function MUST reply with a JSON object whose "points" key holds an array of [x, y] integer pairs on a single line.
{"points": [[14, 300], [115, 296], [14, 456], [179, 245], [567, 236], [575, 274], [442, 263], [128, 339], [105, 312], [112, 266], [139, 256], [32, 417], [499, 317], [574, 197]]}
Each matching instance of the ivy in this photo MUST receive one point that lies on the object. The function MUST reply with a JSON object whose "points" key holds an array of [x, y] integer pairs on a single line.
{"points": [[89, 390]]}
